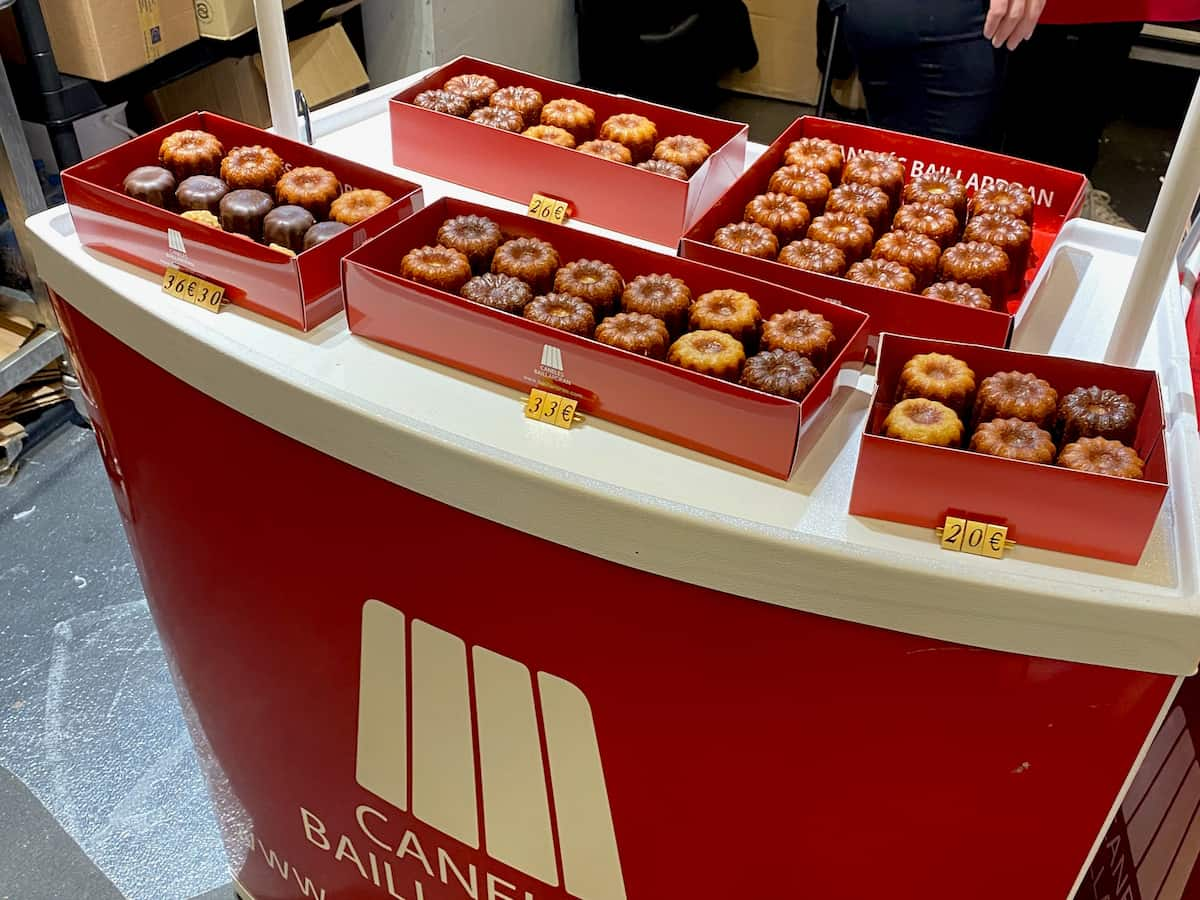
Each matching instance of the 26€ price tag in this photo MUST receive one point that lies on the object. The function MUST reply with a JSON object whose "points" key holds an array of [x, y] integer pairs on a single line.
{"points": [[551, 408], [194, 290], [548, 209], [979, 538]]}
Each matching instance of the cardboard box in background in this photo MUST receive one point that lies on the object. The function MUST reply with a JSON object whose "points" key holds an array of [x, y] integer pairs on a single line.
{"points": [[104, 39], [227, 19], [786, 34]]}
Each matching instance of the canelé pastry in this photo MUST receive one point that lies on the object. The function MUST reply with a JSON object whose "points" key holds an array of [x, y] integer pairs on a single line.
{"points": [[661, 167], [683, 150], [438, 267], [525, 100], [254, 167], [941, 190], [816, 153], [636, 332], [929, 219], [808, 333], [883, 273], [916, 252], [864, 200], [962, 294], [243, 211], [636, 132], [1016, 395], [321, 232], [1011, 235], [312, 187], [562, 311], [354, 206], [502, 292], [814, 256], [596, 282], [551, 134], [499, 117], [749, 238], [924, 422], [203, 216], [476, 237], [732, 312], [1102, 457], [1013, 439], [1009, 199], [153, 184], [447, 102], [940, 377], [808, 185], [662, 296], [287, 226], [478, 89], [201, 192], [709, 352], [532, 260], [882, 170], [980, 265], [610, 150], [786, 216], [190, 152], [784, 373], [571, 116], [849, 233], [1096, 412]]}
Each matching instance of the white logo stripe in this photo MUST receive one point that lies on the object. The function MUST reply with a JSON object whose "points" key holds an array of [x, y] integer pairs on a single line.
{"points": [[382, 719], [443, 751], [516, 810]]}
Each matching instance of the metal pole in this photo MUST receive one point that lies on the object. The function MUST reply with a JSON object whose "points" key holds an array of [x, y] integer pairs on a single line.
{"points": [[827, 75], [277, 67]]}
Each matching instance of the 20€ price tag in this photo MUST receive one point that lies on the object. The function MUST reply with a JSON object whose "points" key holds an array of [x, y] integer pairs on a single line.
{"points": [[548, 209], [551, 408], [194, 290], [980, 538]]}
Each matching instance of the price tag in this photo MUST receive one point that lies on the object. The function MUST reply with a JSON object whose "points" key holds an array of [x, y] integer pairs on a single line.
{"points": [[548, 209], [980, 538], [194, 290], [551, 408]]}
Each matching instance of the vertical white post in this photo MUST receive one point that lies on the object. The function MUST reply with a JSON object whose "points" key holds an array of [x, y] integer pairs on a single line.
{"points": [[277, 67]]}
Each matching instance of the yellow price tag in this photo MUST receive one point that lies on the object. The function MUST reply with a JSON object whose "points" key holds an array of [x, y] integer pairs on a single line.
{"points": [[980, 538], [194, 290], [548, 209], [547, 407]]}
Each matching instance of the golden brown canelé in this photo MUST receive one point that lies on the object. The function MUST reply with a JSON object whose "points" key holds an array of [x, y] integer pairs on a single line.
{"points": [[883, 273], [710, 353], [732, 312], [807, 185], [478, 89], [924, 422], [354, 206], [683, 150], [448, 102], [784, 373], [636, 332], [748, 238], [594, 281], [980, 265], [961, 294], [814, 256], [816, 153], [916, 252], [1102, 457], [929, 219], [191, 152], [785, 215], [849, 233], [1008, 199], [863, 200], [881, 170], [1096, 412], [499, 117], [808, 333], [257, 168], [312, 187], [610, 150], [1008, 233], [551, 134], [502, 292], [525, 100], [940, 377], [662, 167], [1016, 395], [636, 132], [945, 191], [570, 115], [662, 296], [530, 259], [1014, 439], [562, 311], [477, 237], [438, 267]]}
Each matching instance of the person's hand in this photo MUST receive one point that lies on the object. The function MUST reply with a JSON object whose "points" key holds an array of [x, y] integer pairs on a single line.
{"points": [[1011, 21]]}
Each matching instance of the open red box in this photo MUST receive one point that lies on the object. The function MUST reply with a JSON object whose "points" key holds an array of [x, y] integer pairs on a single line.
{"points": [[1043, 505], [744, 426], [616, 196], [301, 291], [1058, 196]]}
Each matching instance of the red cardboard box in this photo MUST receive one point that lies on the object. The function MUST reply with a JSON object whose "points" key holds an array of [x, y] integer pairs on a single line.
{"points": [[1043, 505], [747, 427], [1058, 196], [301, 291], [621, 197]]}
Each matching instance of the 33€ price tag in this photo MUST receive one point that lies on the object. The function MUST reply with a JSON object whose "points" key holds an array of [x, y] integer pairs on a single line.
{"points": [[548, 209], [547, 407], [194, 290]]}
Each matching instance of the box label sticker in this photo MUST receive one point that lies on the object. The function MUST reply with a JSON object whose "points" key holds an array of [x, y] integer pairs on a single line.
{"points": [[150, 21], [551, 408], [194, 290], [548, 209]]}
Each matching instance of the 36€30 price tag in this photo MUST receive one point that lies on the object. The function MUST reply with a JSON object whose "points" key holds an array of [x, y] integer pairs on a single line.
{"points": [[194, 290], [551, 408], [979, 538], [548, 209]]}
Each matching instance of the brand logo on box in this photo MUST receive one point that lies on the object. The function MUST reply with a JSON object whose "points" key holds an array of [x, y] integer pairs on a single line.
{"points": [[552, 357], [175, 241]]}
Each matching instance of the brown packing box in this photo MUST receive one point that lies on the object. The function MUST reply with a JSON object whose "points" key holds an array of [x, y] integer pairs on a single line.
{"points": [[104, 39], [786, 34], [226, 19]]}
